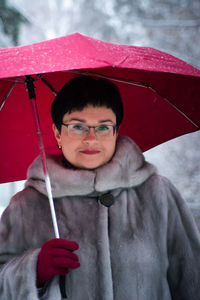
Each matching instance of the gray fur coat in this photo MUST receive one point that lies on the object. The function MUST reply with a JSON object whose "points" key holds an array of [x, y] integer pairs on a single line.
{"points": [[146, 246]]}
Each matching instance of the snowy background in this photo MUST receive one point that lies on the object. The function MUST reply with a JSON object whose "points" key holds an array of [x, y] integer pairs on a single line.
{"points": [[168, 25]]}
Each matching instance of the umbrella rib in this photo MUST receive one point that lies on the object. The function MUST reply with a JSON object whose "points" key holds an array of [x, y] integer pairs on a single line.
{"points": [[136, 83], [16, 80], [7, 95], [86, 73], [175, 107], [47, 84]]}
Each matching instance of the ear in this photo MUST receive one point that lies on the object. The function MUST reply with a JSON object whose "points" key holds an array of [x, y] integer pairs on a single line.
{"points": [[56, 134]]}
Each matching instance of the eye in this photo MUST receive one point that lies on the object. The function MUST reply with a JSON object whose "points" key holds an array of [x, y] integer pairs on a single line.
{"points": [[103, 128], [78, 127]]}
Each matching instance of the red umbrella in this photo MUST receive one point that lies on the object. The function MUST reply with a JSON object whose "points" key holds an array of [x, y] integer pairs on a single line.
{"points": [[161, 93]]}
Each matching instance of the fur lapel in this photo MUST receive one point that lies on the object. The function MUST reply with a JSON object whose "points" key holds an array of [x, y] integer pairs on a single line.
{"points": [[126, 169]]}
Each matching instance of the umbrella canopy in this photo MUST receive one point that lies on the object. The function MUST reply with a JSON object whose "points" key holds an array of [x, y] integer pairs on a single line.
{"points": [[161, 93]]}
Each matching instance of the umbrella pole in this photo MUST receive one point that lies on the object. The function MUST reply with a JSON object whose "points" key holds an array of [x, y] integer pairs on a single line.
{"points": [[31, 91]]}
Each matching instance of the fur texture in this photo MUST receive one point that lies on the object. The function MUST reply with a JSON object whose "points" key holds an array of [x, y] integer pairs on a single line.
{"points": [[144, 247]]}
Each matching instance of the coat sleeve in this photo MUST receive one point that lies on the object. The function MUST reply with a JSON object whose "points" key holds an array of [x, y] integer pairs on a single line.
{"points": [[183, 242], [17, 260]]}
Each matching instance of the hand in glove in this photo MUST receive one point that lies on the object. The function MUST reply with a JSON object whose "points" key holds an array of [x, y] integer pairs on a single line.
{"points": [[55, 258]]}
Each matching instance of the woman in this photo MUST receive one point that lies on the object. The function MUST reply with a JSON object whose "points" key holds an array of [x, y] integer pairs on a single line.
{"points": [[125, 231]]}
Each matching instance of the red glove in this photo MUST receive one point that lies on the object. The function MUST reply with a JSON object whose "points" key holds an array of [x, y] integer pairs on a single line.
{"points": [[55, 258]]}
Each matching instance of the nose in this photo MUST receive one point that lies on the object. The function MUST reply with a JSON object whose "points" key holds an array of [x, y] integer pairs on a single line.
{"points": [[90, 135]]}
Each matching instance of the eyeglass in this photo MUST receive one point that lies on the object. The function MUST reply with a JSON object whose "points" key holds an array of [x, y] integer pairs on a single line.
{"points": [[81, 131]]}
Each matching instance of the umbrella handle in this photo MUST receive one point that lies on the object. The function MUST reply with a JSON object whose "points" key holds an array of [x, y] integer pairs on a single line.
{"points": [[31, 90]]}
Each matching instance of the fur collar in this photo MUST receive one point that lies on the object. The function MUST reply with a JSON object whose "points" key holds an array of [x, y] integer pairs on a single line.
{"points": [[126, 169]]}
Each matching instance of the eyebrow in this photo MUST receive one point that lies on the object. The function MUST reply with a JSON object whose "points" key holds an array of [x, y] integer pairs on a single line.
{"points": [[84, 121]]}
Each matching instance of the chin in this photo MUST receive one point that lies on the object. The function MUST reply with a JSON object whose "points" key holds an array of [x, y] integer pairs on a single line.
{"points": [[89, 165]]}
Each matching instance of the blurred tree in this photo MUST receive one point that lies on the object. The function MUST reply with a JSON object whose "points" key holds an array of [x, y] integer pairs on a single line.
{"points": [[168, 25], [10, 21], [172, 26]]}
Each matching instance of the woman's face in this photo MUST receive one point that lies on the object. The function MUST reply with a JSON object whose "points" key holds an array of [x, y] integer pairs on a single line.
{"points": [[88, 152]]}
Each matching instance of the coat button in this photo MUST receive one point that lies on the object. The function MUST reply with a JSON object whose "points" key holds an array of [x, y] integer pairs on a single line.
{"points": [[106, 199]]}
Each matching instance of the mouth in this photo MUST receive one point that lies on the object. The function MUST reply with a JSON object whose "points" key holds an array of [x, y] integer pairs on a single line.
{"points": [[90, 152]]}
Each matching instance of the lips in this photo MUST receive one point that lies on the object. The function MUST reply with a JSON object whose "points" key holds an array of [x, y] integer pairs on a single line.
{"points": [[90, 152]]}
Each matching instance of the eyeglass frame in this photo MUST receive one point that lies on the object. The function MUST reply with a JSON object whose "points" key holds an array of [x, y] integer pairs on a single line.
{"points": [[115, 127]]}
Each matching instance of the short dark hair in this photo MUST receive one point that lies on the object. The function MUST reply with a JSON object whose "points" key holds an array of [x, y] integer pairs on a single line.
{"points": [[83, 91]]}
